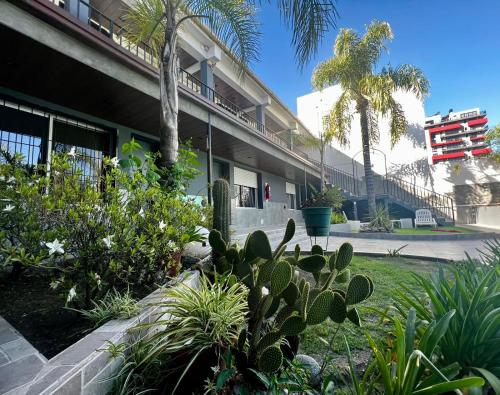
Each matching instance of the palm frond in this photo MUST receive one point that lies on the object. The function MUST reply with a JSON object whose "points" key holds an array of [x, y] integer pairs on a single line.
{"points": [[399, 124], [347, 40], [337, 70], [233, 22], [378, 90], [144, 22], [374, 42], [408, 78], [339, 120], [308, 20]]}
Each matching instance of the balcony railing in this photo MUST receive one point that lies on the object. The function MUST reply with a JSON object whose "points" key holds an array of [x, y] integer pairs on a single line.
{"points": [[94, 18]]}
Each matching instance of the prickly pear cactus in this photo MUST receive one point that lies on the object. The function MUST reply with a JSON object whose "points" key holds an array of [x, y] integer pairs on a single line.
{"points": [[282, 303]]}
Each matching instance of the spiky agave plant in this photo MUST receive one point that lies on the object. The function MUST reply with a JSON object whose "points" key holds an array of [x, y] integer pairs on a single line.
{"points": [[282, 303]]}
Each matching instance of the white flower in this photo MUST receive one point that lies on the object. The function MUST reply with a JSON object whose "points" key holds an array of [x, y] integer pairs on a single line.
{"points": [[172, 246], [55, 246], [107, 241], [54, 284], [9, 208], [2, 178], [97, 279], [72, 152], [71, 295], [11, 180], [162, 225], [114, 161], [141, 212], [265, 291]]}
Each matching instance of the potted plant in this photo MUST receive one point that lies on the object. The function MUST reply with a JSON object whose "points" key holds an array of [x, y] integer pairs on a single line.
{"points": [[317, 211], [339, 223]]}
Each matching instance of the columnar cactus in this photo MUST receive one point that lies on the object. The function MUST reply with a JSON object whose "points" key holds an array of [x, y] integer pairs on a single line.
{"points": [[221, 208], [281, 302]]}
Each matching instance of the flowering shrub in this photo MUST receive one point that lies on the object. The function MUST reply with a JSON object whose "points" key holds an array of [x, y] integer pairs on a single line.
{"points": [[95, 234]]}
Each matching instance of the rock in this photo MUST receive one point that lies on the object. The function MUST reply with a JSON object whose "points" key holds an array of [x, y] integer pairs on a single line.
{"points": [[196, 249], [311, 366]]}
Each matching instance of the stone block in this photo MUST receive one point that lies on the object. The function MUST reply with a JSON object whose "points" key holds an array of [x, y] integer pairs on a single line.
{"points": [[48, 379], [7, 334], [81, 350], [18, 349], [72, 386], [19, 373]]}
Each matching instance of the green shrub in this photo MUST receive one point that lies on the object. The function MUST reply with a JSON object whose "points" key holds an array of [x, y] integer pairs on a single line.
{"points": [[472, 337], [91, 235], [206, 319], [338, 218], [113, 305], [329, 197], [381, 222], [406, 367]]}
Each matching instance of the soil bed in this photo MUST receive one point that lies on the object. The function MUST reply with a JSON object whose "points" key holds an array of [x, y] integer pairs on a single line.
{"points": [[38, 313]]}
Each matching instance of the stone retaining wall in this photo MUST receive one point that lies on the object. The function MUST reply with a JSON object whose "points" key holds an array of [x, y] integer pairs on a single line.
{"points": [[83, 368]]}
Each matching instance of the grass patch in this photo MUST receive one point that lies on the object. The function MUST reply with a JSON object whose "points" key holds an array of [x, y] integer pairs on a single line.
{"points": [[429, 230], [386, 274]]}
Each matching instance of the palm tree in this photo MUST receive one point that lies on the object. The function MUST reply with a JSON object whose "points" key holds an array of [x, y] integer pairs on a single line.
{"points": [[368, 92], [234, 23]]}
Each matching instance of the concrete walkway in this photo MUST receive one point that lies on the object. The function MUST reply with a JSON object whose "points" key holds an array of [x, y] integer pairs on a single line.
{"points": [[449, 249]]}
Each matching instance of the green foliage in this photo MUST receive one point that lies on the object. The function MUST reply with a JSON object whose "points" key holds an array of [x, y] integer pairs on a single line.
{"points": [[381, 221], [471, 338], [493, 139], [329, 197], [221, 208], [406, 367], [338, 218], [282, 303], [208, 317], [396, 252], [113, 305], [92, 234]]}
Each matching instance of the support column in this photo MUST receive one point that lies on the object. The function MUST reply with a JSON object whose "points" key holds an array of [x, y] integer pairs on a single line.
{"points": [[207, 77], [260, 115], [209, 159]]}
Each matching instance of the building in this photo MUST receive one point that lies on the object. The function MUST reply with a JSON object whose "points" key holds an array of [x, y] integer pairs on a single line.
{"points": [[440, 163], [457, 136], [69, 77]]}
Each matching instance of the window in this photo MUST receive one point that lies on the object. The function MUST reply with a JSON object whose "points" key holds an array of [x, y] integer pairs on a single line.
{"points": [[245, 196], [290, 195], [245, 187]]}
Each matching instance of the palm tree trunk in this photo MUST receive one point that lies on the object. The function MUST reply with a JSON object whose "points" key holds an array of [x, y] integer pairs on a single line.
{"points": [[169, 100], [365, 138]]}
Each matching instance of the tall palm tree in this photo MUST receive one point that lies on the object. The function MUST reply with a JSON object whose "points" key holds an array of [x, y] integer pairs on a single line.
{"points": [[234, 23], [353, 66]]}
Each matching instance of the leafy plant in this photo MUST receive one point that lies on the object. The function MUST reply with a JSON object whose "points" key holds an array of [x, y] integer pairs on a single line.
{"points": [[396, 252], [281, 302], [113, 305], [406, 369], [205, 319], [338, 218], [381, 221], [472, 336], [329, 197]]}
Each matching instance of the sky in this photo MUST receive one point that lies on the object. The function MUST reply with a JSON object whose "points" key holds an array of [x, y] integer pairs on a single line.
{"points": [[455, 42]]}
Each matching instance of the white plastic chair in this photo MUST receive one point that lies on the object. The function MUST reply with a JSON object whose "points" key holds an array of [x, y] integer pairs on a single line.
{"points": [[423, 217]]}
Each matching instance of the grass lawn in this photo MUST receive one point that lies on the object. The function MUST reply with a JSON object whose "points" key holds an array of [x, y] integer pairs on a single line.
{"points": [[428, 230], [386, 274]]}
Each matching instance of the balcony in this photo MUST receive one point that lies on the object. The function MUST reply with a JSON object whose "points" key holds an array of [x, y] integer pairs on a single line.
{"points": [[115, 33]]}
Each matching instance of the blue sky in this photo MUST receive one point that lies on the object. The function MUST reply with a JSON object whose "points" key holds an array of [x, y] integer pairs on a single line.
{"points": [[455, 42]]}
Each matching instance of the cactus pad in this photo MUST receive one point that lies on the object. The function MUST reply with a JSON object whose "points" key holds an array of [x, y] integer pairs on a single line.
{"points": [[273, 308], [316, 250], [338, 310], [258, 244], [371, 286], [280, 277], [304, 301], [353, 316], [265, 271], [331, 261], [358, 289], [268, 340], [291, 294], [320, 308], [312, 263], [343, 256], [279, 252], [289, 232], [245, 273], [283, 314], [293, 326], [271, 359], [232, 256], [216, 242], [343, 277]]}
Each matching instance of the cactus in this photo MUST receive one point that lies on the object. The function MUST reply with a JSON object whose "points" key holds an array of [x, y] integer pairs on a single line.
{"points": [[290, 303], [221, 208], [271, 359]]}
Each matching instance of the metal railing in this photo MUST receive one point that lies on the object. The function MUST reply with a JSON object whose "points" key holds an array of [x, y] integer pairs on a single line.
{"points": [[194, 84], [94, 18], [414, 196]]}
